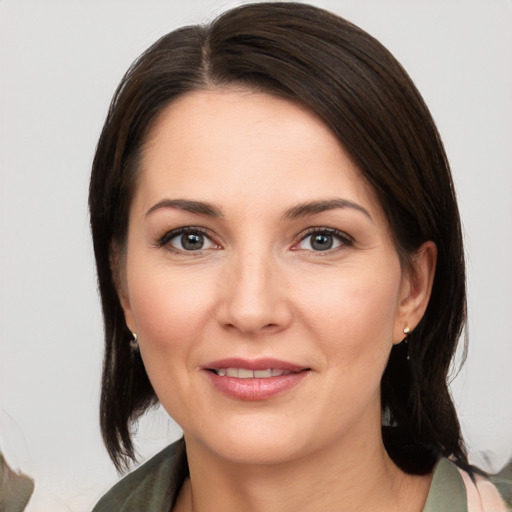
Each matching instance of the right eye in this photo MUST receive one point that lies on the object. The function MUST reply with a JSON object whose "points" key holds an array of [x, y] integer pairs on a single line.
{"points": [[187, 240]]}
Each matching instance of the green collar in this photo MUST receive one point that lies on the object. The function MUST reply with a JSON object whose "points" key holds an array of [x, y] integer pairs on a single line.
{"points": [[155, 485], [447, 491]]}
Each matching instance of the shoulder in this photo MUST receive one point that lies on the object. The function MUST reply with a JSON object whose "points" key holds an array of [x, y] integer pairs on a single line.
{"points": [[152, 486], [455, 490], [482, 494], [503, 481], [447, 491]]}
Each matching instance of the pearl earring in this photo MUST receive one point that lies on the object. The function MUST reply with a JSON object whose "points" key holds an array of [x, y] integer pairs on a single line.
{"points": [[406, 332], [134, 342]]}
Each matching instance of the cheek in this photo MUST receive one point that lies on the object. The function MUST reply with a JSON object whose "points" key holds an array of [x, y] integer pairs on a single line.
{"points": [[353, 316], [170, 307]]}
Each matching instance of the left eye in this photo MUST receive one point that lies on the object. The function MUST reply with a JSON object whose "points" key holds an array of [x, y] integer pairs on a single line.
{"points": [[190, 241], [322, 241]]}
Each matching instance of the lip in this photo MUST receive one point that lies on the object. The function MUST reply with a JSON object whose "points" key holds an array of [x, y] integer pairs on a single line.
{"points": [[253, 389], [254, 364]]}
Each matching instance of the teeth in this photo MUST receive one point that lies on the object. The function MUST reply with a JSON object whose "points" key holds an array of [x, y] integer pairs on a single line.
{"points": [[244, 373], [263, 374]]}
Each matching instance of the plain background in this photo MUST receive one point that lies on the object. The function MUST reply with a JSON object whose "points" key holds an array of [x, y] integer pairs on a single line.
{"points": [[59, 64]]}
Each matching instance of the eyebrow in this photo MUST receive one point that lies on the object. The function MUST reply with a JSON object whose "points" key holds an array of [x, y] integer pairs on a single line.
{"points": [[198, 207], [297, 211], [314, 207]]}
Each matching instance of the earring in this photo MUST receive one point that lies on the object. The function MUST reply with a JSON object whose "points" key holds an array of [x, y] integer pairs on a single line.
{"points": [[134, 342], [406, 332]]}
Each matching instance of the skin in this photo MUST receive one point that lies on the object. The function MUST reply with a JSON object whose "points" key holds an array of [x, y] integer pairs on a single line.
{"points": [[258, 288]]}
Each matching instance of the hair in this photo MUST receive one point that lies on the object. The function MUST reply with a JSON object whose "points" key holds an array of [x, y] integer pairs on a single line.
{"points": [[321, 61]]}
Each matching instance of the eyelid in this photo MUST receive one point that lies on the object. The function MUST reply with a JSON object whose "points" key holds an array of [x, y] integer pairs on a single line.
{"points": [[163, 240], [345, 239]]}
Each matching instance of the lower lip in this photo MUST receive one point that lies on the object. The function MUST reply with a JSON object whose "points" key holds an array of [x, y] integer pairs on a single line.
{"points": [[255, 389]]}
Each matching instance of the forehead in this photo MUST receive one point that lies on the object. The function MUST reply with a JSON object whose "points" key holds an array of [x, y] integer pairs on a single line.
{"points": [[233, 145]]}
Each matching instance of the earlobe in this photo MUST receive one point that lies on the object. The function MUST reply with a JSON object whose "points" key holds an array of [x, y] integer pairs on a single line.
{"points": [[416, 289]]}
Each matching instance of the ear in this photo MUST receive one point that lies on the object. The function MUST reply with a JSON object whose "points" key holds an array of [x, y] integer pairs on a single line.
{"points": [[118, 271], [415, 290]]}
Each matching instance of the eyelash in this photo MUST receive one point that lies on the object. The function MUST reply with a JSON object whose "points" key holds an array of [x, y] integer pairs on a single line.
{"points": [[344, 239], [164, 240]]}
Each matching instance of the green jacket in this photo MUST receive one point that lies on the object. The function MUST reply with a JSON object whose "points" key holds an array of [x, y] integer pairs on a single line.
{"points": [[155, 485]]}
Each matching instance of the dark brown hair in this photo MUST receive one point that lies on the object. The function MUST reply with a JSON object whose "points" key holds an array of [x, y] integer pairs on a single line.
{"points": [[356, 86]]}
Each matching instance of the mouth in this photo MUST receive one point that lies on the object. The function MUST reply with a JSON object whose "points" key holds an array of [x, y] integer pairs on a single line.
{"points": [[254, 380], [263, 368], [246, 373]]}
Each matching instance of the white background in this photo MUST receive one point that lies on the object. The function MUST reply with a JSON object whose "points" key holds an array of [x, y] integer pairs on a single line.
{"points": [[59, 64]]}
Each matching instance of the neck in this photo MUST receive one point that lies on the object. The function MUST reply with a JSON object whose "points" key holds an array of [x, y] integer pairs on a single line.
{"points": [[357, 477]]}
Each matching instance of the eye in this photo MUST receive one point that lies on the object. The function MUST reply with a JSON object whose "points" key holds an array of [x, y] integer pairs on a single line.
{"points": [[187, 240], [324, 240]]}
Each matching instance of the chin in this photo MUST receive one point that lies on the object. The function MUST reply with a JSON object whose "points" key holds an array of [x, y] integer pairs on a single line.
{"points": [[260, 451], [264, 443]]}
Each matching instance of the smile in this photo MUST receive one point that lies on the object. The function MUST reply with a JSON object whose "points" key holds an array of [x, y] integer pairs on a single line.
{"points": [[254, 380], [246, 373]]}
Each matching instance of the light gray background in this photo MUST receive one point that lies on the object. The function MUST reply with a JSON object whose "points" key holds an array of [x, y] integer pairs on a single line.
{"points": [[60, 62]]}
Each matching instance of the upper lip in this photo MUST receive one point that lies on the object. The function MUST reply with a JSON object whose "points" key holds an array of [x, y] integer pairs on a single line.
{"points": [[254, 364]]}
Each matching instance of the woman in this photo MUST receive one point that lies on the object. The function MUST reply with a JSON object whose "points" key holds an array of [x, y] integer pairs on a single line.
{"points": [[280, 262]]}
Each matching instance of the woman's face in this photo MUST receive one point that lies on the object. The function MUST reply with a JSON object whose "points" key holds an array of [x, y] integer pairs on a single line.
{"points": [[261, 279]]}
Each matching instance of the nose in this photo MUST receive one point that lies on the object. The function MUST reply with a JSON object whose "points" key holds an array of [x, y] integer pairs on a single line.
{"points": [[254, 295]]}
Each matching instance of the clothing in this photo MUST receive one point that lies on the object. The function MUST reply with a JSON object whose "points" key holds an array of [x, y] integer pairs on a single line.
{"points": [[15, 488], [156, 484], [152, 486]]}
